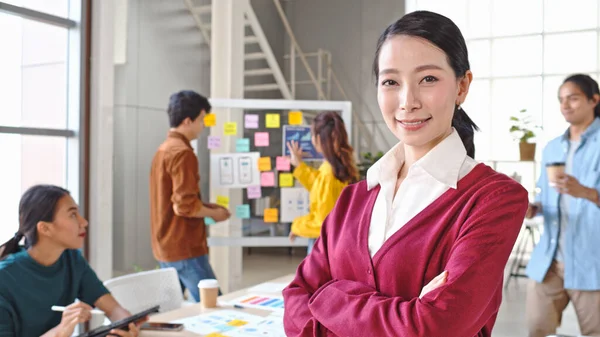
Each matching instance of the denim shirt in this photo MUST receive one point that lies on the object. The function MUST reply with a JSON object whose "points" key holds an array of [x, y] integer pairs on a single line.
{"points": [[582, 234]]}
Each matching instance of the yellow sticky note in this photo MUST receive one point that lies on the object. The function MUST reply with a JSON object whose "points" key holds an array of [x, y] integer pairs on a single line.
{"points": [[223, 201], [271, 215], [286, 180], [272, 121], [237, 322], [264, 164], [295, 118], [215, 334], [210, 120], [230, 129]]}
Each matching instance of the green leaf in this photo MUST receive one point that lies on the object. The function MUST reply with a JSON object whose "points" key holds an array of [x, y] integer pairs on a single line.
{"points": [[514, 119]]}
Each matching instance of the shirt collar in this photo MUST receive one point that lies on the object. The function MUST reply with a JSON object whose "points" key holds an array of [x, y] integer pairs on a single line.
{"points": [[443, 162], [595, 126], [177, 135]]}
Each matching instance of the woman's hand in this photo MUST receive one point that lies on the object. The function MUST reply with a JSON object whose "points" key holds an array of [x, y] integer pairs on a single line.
{"points": [[295, 153], [73, 315], [134, 331], [292, 237], [437, 282]]}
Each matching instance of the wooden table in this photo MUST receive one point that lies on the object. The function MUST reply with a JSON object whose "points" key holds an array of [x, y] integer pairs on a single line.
{"points": [[196, 309]]}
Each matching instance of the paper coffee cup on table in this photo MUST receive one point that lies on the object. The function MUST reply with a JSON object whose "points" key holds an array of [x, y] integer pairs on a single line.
{"points": [[209, 291], [554, 171]]}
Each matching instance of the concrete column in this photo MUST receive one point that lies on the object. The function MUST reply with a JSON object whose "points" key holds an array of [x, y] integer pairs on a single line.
{"points": [[227, 81]]}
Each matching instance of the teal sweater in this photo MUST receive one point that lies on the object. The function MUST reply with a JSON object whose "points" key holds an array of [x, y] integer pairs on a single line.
{"points": [[28, 290]]}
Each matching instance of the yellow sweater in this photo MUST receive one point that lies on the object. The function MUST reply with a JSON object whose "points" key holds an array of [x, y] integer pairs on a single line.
{"points": [[324, 189]]}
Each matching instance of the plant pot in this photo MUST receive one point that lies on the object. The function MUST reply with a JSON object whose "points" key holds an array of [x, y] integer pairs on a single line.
{"points": [[527, 151]]}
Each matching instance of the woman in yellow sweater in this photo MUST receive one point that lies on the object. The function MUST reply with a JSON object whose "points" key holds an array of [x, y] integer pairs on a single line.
{"points": [[329, 138]]}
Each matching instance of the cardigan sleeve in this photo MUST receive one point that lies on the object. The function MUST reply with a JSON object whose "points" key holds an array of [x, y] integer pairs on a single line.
{"points": [[306, 175], [459, 308]]}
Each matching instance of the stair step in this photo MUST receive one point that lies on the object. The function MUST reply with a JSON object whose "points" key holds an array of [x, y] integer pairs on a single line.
{"points": [[258, 72], [250, 39], [255, 56], [262, 87], [206, 9]]}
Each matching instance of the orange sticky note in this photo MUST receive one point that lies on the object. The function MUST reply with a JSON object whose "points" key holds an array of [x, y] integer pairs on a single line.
{"points": [[271, 215], [264, 164], [286, 180], [215, 334], [210, 120], [295, 118]]}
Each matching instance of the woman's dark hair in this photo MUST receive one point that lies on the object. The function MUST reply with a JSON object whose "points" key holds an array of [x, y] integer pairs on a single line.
{"points": [[589, 87], [186, 104], [444, 34], [331, 130], [37, 204]]}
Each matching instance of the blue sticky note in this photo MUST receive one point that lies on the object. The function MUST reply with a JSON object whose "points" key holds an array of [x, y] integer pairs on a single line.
{"points": [[209, 221], [242, 145], [242, 211]]}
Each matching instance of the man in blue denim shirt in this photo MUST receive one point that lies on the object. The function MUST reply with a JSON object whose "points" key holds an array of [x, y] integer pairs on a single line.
{"points": [[565, 265]]}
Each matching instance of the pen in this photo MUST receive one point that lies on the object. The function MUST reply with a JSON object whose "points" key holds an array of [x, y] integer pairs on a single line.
{"points": [[237, 306], [61, 309]]}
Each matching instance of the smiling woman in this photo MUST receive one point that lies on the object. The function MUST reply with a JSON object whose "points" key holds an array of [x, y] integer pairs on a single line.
{"points": [[402, 253]]}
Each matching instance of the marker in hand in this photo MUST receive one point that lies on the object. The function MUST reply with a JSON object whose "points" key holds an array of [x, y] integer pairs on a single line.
{"points": [[61, 309]]}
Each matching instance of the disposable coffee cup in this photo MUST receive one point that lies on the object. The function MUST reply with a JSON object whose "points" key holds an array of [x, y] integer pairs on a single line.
{"points": [[209, 291], [554, 171]]}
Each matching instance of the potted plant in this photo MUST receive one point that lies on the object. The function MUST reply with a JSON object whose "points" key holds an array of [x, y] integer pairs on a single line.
{"points": [[522, 129], [368, 159]]}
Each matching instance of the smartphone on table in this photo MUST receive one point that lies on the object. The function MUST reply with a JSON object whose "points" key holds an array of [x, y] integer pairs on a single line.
{"points": [[158, 326]]}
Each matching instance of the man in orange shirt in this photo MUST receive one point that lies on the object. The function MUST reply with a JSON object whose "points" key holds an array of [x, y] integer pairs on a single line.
{"points": [[178, 231]]}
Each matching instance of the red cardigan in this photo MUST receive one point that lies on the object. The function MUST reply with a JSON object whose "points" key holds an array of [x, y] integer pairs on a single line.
{"points": [[469, 231]]}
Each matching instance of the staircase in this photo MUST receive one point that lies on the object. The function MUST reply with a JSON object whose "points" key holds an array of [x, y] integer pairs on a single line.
{"points": [[257, 51]]}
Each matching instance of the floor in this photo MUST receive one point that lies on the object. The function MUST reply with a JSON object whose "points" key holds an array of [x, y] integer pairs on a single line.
{"points": [[510, 322]]}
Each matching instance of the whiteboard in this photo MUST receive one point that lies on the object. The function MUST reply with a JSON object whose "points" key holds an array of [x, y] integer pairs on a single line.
{"points": [[234, 170]]}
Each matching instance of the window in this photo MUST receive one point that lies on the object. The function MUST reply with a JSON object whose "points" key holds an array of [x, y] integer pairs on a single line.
{"points": [[520, 52], [39, 100]]}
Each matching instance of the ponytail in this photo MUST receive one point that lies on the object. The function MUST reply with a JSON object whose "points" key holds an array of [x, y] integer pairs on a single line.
{"points": [[11, 246], [466, 128], [37, 204], [336, 148]]}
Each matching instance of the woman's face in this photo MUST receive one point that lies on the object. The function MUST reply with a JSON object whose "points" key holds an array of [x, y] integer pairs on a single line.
{"points": [[417, 91], [68, 229], [575, 105]]}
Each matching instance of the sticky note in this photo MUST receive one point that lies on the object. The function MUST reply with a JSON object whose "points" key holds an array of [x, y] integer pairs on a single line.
{"points": [[209, 221], [267, 179], [251, 121], [242, 145], [215, 334], [237, 322], [214, 142], [282, 164], [271, 215], [230, 129], [261, 139], [254, 192], [223, 201], [264, 164], [272, 121], [286, 180], [242, 211], [210, 120], [295, 118]]}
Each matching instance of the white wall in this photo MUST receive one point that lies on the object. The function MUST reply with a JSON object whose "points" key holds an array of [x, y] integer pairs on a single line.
{"points": [[349, 29]]}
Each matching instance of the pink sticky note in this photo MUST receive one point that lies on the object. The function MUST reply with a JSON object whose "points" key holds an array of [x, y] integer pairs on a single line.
{"points": [[214, 142], [261, 139], [283, 164], [254, 192], [251, 122], [267, 179]]}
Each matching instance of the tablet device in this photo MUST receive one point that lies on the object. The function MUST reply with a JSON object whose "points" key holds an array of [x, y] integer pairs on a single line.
{"points": [[123, 324]]}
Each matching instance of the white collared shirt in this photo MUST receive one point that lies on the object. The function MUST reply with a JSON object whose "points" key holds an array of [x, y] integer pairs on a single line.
{"points": [[427, 179]]}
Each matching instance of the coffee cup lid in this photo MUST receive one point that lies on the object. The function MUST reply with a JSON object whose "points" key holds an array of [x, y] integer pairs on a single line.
{"points": [[208, 283]]}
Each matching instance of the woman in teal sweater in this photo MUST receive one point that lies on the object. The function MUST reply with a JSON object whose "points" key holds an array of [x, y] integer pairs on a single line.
{"points": [[50, 270]]}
